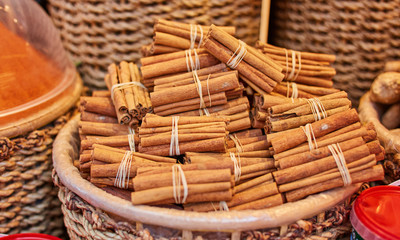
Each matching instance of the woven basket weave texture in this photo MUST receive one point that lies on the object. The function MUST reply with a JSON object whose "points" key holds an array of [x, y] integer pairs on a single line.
{"points": [[29, 200], [362, 34], [98, 33]]}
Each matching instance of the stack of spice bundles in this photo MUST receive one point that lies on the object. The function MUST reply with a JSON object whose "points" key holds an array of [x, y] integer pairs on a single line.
{"points": [[339, 152], [306, 74], [171, 136], [170, 36], [99, 125], [210, 91]]}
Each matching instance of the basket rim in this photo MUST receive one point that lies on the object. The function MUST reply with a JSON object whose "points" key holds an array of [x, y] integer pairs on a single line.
{"points": [[371, 111], [65, 149]]}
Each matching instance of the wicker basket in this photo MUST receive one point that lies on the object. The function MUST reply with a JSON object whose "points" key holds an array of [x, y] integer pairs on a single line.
{"points": [[97, 33], [371, 112], [91, 213], [29, 200], [362, 34]]}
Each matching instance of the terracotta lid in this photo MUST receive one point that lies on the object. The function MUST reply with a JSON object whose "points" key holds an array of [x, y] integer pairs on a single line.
{"points": [[38, 82]]}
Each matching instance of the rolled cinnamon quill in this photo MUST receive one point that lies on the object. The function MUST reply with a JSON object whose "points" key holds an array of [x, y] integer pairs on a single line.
{"points": [[259, 192], [265, 65], [372, 174], [209, 165], [324, 164], [276, 124], [180, 93], [114, 155], [177, 65], [221, 67], [254, 75], [305, 55], [208, 145], [100, 105], [95, 117], [263, 203], [166, 139], [143, 182], [361, 132], [112, 141], [151, 120], [363, 163], [321, 152], [166, 194], [102, 129], [320, 128]]}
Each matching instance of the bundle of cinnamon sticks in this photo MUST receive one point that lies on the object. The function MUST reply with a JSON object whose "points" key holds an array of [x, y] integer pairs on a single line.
{"points": [[172, 36], [129, 96], [171, 136], [209, 91], [99, 125], [312, 73], [215, 94], [307, 164], [252, 166], [178, 184], [292, 115], [255, 68], [115, 167], [167, 65]]}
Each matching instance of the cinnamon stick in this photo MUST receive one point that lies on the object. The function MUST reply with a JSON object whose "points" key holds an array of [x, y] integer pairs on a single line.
{"points": [[320, 128], [180, 93], [372, 174], [143, 182], [208, 145], [314, 167]]}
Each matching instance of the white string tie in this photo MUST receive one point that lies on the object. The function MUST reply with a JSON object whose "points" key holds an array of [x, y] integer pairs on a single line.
{"points": [[237, 166], [191, 64], [308, 131], [193, 35], [208, 89], [295, 91], [223, 206], [240, 53], [131, 138], [292, 76], [178, 179], [121, 86], [174, 145], [287, 63], [238, 144], [340, 162], [317, 108], [124, 170]]}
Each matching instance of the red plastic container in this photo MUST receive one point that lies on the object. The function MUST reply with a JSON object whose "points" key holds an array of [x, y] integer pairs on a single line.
{"points": [[376, 214], [29, 236]]}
